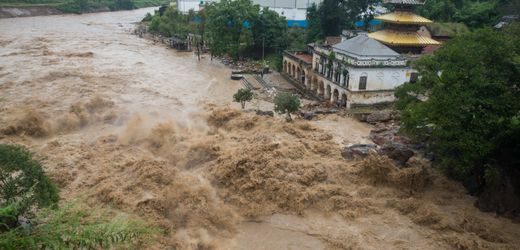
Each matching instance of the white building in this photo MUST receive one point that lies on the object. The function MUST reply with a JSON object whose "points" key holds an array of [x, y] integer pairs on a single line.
{"points": [[294, 10], [355, 72]]}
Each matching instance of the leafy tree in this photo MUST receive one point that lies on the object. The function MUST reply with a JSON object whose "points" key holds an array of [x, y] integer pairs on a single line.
{"points": [[229, 26], [333, 16], [23, 186], [270, 30], [466, 104], [286, 103], [242, 96], [473, 13], [314, 25]]}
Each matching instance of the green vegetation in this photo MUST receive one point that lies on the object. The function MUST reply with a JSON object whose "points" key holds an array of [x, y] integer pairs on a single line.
{"points": [[473, 13], [81, 6], [286, 103], [23, 186], [76, 226], [242, 96], [31, 219], [239, 26], [466, 106], [330, 17], [448, 29], [239, 29]]}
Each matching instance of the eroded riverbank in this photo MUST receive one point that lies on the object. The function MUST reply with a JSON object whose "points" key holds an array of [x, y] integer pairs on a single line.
{"points": [[152, 132]]}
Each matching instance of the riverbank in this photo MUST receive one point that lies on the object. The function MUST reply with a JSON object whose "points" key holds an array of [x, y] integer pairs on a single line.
{"points": [[54, 7]]}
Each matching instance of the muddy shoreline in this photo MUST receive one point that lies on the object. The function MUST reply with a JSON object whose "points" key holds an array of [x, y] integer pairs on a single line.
{"points": [[31, 11]]}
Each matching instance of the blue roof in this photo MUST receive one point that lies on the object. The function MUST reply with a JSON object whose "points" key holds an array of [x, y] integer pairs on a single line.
{"points": [[359, 24], [297, 23], [375, 22]]}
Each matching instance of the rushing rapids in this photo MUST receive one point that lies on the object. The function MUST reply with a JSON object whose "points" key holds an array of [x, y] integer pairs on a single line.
{"points": [[130, 124]]}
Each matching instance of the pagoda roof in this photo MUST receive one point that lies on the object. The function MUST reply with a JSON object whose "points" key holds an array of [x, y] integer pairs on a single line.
{"points": [[402, 38], [403, 17], [363, 47], [414, 2]]}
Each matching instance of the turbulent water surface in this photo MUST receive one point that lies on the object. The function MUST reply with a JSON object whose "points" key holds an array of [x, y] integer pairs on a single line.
{"points": [[124, 122]]}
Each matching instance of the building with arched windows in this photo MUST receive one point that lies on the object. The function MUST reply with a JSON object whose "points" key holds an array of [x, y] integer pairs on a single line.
{"points": [[364, 69], [355, 72]]}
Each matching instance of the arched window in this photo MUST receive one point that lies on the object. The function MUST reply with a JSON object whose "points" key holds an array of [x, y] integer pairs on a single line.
{"points": [[414, 77], [363, 81], [345, 78]]}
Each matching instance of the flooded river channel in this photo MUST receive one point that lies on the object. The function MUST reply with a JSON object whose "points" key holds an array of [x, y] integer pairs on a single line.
{"points": [[122, 122]]}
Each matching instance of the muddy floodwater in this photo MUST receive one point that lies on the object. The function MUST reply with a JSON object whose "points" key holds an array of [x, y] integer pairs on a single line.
{"points": [[122, 122]]}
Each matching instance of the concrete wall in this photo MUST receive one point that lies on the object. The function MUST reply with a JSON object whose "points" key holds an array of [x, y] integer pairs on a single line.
{"points": [[378, 78]]}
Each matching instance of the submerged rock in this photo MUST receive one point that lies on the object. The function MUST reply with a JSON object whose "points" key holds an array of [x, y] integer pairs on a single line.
{"points": [[358, 150], [264, 113], [398, 152]]}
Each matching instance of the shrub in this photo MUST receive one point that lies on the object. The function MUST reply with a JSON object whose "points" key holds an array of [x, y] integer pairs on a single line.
{"points": [[286, 103], [23, 185], [242, 96]]}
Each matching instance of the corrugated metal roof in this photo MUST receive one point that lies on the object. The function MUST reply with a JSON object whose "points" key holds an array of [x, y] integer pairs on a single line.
{"points": [[402, 38], [404, 18], [363, 46]]}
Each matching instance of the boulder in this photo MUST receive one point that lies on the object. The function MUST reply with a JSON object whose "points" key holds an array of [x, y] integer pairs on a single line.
{"points": [[398, 152], [358, 150], [264, 113], [307, 115], [380, 116]]}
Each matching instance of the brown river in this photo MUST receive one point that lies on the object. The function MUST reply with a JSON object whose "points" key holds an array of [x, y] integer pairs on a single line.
{"points": [[124, 123]]}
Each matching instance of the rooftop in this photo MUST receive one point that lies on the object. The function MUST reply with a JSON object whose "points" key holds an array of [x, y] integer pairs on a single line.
{"points": [[363, 47], [402, 17], [303, 56], [402, 38]]}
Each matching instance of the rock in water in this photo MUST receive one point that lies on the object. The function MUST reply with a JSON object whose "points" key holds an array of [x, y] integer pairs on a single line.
{"points": [[381, 116], [358, 150], [398, 152]]}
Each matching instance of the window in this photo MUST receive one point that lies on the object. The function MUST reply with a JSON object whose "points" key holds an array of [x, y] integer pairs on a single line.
{"points": [[363, 83], [414, 77]]}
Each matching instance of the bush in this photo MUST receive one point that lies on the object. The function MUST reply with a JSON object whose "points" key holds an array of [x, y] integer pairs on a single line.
{"points": [[286, 103], [75, 226], [23, 186], [242, 96]]}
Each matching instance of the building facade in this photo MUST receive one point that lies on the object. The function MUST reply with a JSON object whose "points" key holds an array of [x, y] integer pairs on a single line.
{"points": [[356, 72]]}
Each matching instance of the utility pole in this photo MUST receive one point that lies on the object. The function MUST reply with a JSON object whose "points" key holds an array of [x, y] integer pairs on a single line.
{"points": [[263, 48]]}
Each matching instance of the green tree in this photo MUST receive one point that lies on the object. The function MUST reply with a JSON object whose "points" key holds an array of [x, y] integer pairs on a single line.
{"points": [[23, 186], [473, 13], [466, 103], [333, 16], [314, 25], [242, 96], [270, 30], [229, 24], [286, 103]]}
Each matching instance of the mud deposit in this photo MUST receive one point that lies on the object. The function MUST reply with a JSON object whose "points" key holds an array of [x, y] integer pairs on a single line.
{"points": [[122, 122]]}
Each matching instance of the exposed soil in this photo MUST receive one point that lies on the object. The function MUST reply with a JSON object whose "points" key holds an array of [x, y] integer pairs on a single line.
{"points": [[120, 122]]}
